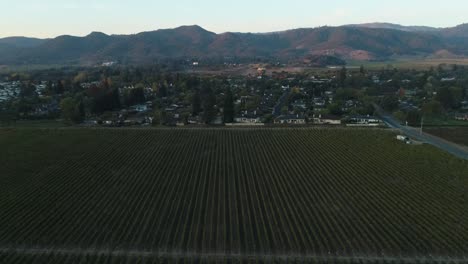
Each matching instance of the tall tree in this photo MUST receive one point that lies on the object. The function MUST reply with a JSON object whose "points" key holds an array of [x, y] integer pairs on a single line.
{"points": [[389, 103], [413, 117], [228, 107], [362, 71], [209, 102], [162, 91], [27, 90], [432, 108], [72, 110], [196, 103], [135, 96], [159, 117], [444, 96], [115, 99], [59, 88], [342, 76]]}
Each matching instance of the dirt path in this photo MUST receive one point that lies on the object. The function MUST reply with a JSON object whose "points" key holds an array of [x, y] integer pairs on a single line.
{"points": [[222, 256]]}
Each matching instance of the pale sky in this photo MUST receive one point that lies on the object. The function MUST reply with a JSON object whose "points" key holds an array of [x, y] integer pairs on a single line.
{"points": [[51, 18]]}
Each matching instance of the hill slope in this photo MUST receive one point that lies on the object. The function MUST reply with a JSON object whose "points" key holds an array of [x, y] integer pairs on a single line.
{"points": [[396, 27], [364, 42]]}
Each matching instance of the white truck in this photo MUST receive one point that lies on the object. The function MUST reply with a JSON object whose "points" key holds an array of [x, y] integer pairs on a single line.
{"points": [[404, 139]]}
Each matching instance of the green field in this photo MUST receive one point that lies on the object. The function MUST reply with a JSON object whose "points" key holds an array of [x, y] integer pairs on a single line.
{"points": [[228, 196], [409, 63], [34, 124], [455, 134]]}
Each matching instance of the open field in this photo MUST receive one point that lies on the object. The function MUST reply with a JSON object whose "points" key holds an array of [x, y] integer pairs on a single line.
{"points": [[455, 134], [251, 68], [34, 124], [402, 63], [228, 196], [409, 63], [444, 122]]}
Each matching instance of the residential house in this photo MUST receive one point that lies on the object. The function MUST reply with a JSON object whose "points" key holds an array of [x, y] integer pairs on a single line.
{"points": [[407, 106], [461, 117], [249, 119], [140, 108], [450, 79], [376, 79], [194, 120], [364, 120], [327, 120], [464, 105], [291, 119], [299, 104]]}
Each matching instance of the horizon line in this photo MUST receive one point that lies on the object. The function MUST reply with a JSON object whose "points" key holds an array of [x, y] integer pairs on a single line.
{"points": [[224, 32]]}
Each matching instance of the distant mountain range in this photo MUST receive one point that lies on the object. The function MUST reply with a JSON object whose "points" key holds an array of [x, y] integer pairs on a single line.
{"points": [[397, 27], [374, 41]]}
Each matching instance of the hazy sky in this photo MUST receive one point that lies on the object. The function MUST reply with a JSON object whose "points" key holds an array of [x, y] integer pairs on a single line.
{"points": [[50, 18]]}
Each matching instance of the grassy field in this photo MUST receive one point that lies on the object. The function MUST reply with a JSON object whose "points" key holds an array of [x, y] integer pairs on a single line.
{"points": [[34, 124], [227, 196], [455, 134], [409, 63], [444, 121]]}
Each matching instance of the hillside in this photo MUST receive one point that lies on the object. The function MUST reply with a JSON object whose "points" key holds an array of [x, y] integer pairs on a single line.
{"points": [[364, 42], [396, 27], [22, 42], [228, 196]]}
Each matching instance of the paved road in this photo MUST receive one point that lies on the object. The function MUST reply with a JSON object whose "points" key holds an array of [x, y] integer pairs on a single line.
{"points": [[280, 103], [414, 133]]}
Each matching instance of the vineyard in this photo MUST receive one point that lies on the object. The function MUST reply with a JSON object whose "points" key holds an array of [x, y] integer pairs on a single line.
{"points": [[228, 196], [455, 134]]}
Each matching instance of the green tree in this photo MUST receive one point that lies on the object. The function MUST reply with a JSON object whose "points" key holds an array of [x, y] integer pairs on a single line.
{"points": [[72, 110], [366, 109], [268, 118], [228, 107], [444, 96], [362, 71], [343, 74], [49, 90], [106, 100], [156, 118], [389, 103], [413, 117], [432, 108], [135, 96], [400, 115], [335, 109], [162, 91], [346, 94], [209, 112], [458, 95], [59, 88], [196, 103], [159, 117], [28, 90], [7, 116]]}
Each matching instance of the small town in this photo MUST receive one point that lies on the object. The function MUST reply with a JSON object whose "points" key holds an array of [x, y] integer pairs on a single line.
{"points": [[341, 96]]}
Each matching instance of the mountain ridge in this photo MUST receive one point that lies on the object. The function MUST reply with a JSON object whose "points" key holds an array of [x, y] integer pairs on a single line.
{"points": [[372, 41], [385, 25]]}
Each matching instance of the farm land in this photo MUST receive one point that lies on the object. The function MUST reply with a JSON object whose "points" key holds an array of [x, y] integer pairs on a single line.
{"points": [[315, 195]]}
